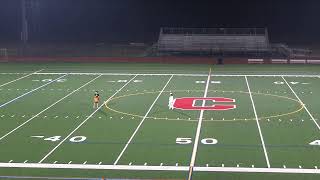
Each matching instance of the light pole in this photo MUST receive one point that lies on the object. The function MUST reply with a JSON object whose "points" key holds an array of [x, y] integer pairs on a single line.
{"points": [[24, 22]]}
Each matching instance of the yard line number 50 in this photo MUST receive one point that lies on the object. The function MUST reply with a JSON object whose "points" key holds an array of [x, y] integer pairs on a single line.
{"points": [[207, 141]]}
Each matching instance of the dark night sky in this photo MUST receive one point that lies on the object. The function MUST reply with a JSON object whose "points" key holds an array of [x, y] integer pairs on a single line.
{"points": [[139, 20]]}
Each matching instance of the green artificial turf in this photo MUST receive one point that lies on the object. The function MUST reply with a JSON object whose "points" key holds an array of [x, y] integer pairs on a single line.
{"points": [[56, 124]]}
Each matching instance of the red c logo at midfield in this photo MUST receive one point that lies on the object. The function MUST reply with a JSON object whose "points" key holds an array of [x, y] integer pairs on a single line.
{"points": [[188, 103]]}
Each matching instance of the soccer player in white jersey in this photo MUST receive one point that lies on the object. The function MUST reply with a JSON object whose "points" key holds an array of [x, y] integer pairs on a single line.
{"points": [[171, 101]]}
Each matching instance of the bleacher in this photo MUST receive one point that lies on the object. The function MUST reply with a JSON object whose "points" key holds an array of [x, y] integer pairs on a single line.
{"points": [[213, 40]]}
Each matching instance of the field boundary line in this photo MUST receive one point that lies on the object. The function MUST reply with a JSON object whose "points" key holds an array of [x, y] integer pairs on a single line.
{"points": [[20, 78], [46, 109], [29, 92], [159, 168], [138, 127], [183, 74], [70, 134], [46, 177], [258, 170], [196, 141], [304, 106], [258, 124]]}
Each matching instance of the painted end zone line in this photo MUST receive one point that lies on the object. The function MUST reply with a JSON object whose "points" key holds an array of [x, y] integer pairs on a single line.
{"points": [[46, 109], [21, 78], [70, 134], [159, 168], [134, 133], [12, 100], [258, 124]]}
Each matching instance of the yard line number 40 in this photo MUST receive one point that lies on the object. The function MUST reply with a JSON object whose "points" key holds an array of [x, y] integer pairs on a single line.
{"points": [[75, 139], [207, 141]]}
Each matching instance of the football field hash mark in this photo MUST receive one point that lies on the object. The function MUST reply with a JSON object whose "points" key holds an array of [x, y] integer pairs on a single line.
{"points": [[103, 104], [258, 124], [21, 96], [138, 127], [198, 131], [172, 164], [20, 78], [304, 106], [13, 130]]}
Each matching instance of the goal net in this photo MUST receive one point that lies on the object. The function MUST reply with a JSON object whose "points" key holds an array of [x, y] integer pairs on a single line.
{"points": [[4, 55]]}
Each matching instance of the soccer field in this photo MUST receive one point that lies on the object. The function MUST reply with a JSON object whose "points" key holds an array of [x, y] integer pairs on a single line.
{"points": [[241, 122]]}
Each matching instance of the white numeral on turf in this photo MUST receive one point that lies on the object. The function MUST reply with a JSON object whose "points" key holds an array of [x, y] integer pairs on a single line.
{"points": [[49, 80], [53, 138], [292, 82], [75, 139], [123, 81], [212, 82], [315, 143], [183, 141], [200, 82], [203, 141], [78, 139], [209, 141]]}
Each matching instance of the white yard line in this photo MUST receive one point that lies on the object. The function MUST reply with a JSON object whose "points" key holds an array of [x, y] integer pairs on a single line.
{"points": [[21, 78], [258, 124], [159, 168], [196, 141], [304, 106], [12, 100], [182, 74], [13, 130], [145, 116], [70, 134]]}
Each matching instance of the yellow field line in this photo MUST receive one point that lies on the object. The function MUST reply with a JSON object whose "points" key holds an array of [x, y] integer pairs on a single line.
{"points": [[195, 120]]}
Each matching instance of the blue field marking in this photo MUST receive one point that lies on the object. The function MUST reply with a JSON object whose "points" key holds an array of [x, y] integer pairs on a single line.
{"points": [[37, 115], [20, 78], [12, 100]]}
